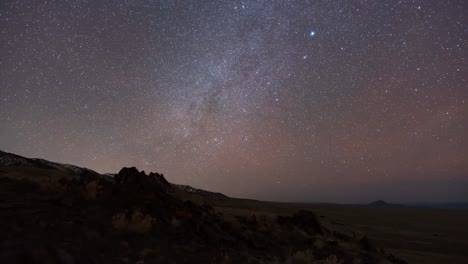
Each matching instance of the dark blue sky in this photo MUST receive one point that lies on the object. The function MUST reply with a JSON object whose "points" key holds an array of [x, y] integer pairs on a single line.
{"points": [[283, 100]]}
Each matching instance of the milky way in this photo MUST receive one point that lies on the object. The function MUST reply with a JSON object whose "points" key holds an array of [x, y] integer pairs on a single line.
{"points": [[283, 100]]}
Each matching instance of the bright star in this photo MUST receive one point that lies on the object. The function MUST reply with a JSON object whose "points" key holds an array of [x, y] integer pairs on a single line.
{"points": [[312, 33]]}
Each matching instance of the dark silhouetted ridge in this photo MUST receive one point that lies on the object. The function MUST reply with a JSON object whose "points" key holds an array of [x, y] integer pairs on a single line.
{"points": [[51, 214]]}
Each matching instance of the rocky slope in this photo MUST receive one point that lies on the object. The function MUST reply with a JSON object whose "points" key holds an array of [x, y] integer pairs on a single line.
{"points": [[201, 192], [12, 160], [140, 218]]}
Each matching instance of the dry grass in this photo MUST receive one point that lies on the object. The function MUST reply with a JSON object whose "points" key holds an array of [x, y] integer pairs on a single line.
{"points": [[418, 235], [136, 222]]}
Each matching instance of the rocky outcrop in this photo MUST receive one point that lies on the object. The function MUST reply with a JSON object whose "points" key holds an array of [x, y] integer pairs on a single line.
{"points": [[132, 178]]}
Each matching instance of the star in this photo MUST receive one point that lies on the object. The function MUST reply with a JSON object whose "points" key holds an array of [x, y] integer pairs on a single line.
{"points": [[149, 83]]}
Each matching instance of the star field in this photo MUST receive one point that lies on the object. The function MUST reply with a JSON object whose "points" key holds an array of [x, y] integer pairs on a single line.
{"points": [[282, 100]]}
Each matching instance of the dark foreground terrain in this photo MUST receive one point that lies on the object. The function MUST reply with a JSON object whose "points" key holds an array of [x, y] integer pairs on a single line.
{"points": [[58, 213], [417, 235]]}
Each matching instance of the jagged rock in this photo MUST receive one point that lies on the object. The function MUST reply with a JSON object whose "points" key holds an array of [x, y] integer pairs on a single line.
{"points": [[133, 178], [159, 179], [130, 176]]}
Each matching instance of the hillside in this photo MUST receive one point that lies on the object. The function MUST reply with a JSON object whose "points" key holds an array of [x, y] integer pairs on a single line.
{"points": [[64, 214]]}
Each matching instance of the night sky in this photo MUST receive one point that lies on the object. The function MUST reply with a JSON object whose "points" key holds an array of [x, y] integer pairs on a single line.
{"points": [[336, 101]]}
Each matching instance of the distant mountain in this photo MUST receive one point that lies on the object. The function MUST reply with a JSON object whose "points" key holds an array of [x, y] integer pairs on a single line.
{"points": [[382, 203], [454, 205]]}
